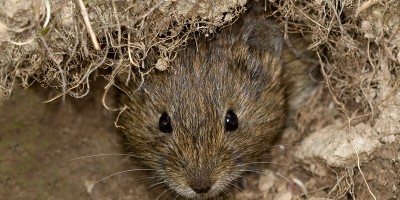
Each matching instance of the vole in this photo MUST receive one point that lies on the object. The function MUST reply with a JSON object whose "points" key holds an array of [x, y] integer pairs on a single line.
{"points": [[219, 108]]}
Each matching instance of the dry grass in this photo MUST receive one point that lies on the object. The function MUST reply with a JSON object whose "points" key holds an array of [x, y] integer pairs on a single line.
{"points": [[354, 62], [65, 54], [83, 38], [356, 42]]}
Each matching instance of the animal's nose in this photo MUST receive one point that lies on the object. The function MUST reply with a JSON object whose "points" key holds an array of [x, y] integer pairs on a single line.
{"points": [[201, 185], [201, 189]]}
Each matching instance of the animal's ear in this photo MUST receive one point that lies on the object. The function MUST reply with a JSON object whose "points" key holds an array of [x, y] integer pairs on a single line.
{"points": [[263, 35], [257, 48]]}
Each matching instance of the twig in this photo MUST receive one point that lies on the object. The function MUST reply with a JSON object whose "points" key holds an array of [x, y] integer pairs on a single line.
{"points": [[61, 71], [297, 53], [151, 10], [88, 25], [358, 161], [329, 86], [48, 12], [365, 6], [84, 78], [22, 43], [312, 20], [119, 114], [349, 122]]}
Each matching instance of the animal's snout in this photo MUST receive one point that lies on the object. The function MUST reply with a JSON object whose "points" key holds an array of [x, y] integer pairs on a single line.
{"points": [[201, 184]]}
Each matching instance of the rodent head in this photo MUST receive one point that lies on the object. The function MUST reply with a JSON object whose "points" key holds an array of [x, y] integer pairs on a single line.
{"points": [[220, 107]]}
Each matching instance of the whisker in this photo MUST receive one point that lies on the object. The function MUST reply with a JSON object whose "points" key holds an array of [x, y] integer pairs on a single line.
{"points": [[146, 177], [268, 158], [225, 193], [177, 195], [281, 146], [236, 186], [130, 170], [262, 173], [169, 193], [158, 183], [163, 193], [102, 154], [261, 162], [278, 174]]}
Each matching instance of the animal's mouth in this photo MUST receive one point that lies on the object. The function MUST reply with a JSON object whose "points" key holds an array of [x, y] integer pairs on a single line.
{"points": [[204, 195], [201, 188], [201, 192]]}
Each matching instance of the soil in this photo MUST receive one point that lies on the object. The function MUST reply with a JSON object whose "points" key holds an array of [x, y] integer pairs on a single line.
{"points": [[38, 141]]}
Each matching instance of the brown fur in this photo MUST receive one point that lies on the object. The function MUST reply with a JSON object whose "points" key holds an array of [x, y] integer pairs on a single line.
{"points": [[238, 69]]}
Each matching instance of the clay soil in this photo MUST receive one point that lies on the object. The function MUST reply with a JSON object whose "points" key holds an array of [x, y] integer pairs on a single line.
{"points": [[38, 141]]}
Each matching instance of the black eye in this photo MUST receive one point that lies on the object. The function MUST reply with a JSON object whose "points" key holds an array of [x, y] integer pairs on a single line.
{"points": [[231, 121], [164, 124]]}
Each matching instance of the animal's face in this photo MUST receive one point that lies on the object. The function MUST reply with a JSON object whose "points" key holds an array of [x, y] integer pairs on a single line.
{"points": [[200, 124]]}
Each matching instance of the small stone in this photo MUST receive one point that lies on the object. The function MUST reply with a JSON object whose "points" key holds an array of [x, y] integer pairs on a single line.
{"points": [[162, 64], [89, 186]]}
